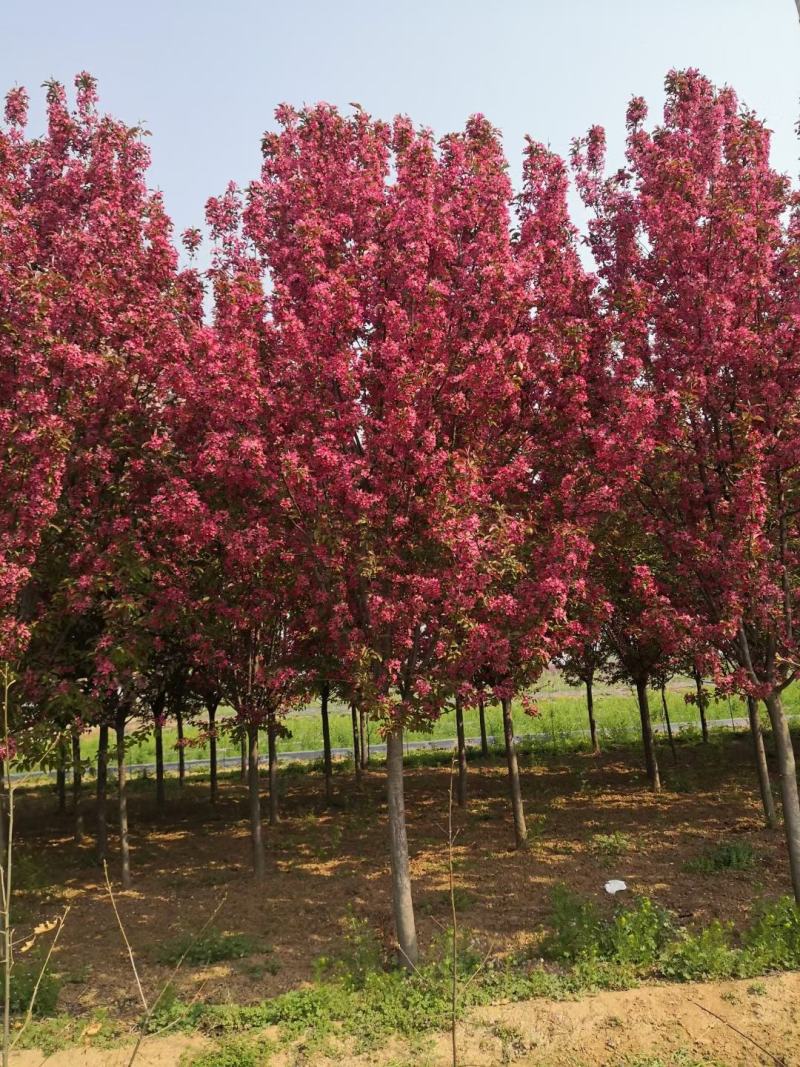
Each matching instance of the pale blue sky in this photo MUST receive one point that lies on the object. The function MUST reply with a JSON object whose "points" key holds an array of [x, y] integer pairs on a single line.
{"points": [[205, 76]]}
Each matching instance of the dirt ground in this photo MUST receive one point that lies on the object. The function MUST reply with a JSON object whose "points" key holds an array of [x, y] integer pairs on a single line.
{"points": [[325, 864], [728, 1024]]}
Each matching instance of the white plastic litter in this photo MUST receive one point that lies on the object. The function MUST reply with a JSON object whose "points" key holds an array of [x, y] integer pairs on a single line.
{"points": [[616, 885]]}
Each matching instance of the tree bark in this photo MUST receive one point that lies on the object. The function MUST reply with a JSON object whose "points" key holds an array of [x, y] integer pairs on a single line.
{"points": [[181, 752], [259, 865], [462, 754], [650, 757], [701, 704], [517, 810], [212, 750], [669, 724], [122, 796], [102, 794], [160, 794], [590, 710], [482, 718], [325, 690], [787, 771], [402, 901], [61, 775], [274, 812], [356, 748], [243, 771], [77, 786], [762, 768], [362, 737]]}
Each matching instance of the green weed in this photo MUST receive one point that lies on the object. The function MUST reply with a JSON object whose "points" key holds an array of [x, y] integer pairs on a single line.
{"points": [[211, 947], [727, 856]]}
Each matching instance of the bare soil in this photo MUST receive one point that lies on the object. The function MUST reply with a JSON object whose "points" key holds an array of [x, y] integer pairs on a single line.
{"points": [[328, 863]]}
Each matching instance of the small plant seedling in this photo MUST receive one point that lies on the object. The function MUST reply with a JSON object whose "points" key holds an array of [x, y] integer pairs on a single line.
{"points": [[611, 845]]}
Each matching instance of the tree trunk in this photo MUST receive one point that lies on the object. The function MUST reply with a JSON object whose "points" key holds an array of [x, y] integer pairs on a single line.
{"points": [[102, 794], [669, 724], [61, 775], [762, 769], [77, 784], [362, 738], [520, 829], [122, 795], [484, 736], [590, 710], [4, 807], [243, 772], [356, 748], [650, 757], [787, 771], [259, 866], [462, 754], [701, 704], [274, 813], [326, 742], [212, 750], [181, 752], [402, 902], [160, 795]]}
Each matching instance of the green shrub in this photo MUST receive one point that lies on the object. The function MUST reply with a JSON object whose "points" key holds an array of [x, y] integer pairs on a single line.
{"points": [[773, 938], [706, 954], [634, 936], [576, 929], [638, 934], [23, 983]]}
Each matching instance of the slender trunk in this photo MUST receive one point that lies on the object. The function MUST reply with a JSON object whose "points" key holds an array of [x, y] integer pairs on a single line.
{"points": [[61, 776], [259, 866], [402, 902], [760, 757], [787, 771], [274, 814], [77, 784], [243, 753], [181, 751], [212, 750], [102, 794], [462, 754], [356, 749], [650, 758], [482, 718], [590, 710], [4, 811], [160, 795], [701, 704], [669, 724], [520, 829], [122, 795], [326, 742], [362, 738]]}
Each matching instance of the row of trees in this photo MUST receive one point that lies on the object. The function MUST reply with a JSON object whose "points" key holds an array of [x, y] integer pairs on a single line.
{"points": [[417, 451]]}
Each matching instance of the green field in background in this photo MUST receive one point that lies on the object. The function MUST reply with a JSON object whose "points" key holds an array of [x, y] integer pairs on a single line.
{"points": [[560, 717]]}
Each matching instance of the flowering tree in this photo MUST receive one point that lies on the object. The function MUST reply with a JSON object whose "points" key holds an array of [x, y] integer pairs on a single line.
{"points": [[700, 267]]}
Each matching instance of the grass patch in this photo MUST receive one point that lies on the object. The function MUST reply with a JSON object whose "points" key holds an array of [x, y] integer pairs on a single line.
{"points": [[211, 947], [727, 856]]}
